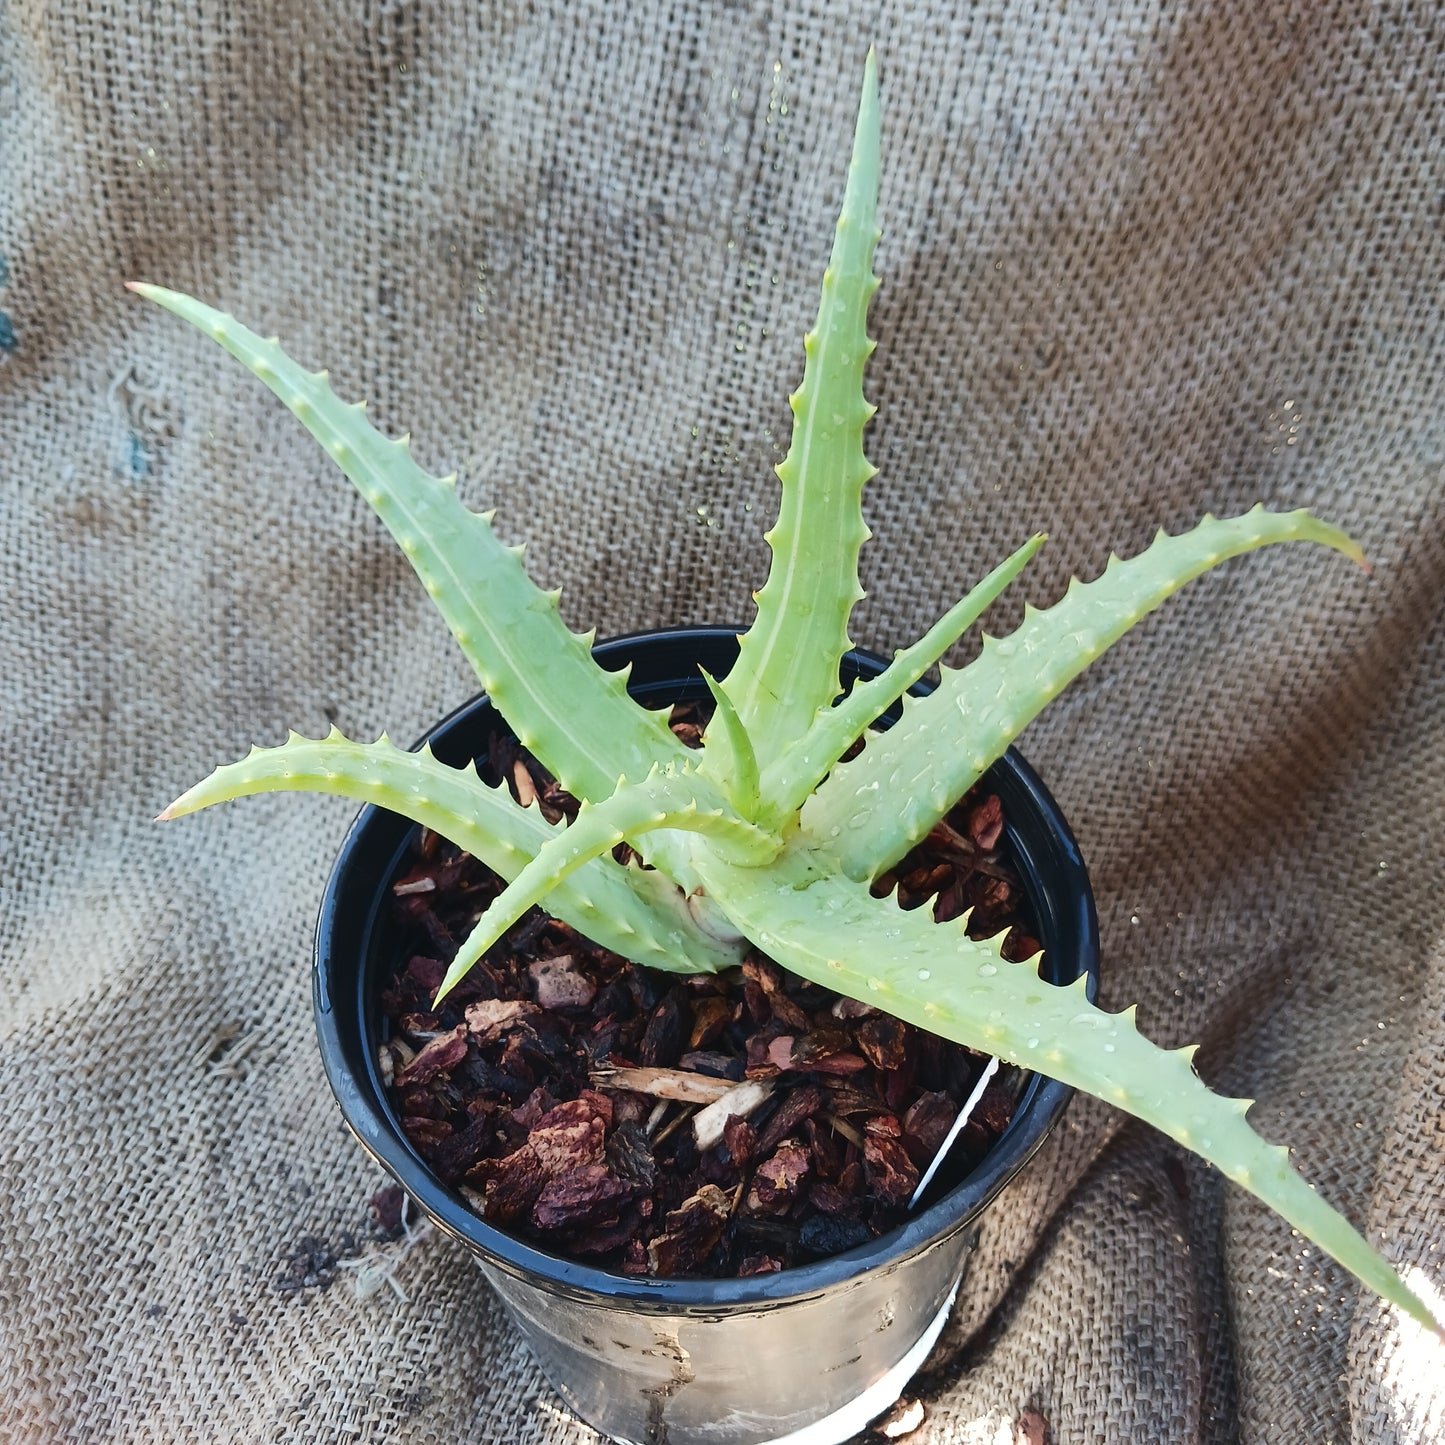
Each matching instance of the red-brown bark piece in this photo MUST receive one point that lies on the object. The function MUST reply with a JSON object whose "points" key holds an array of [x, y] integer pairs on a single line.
{"points": [[440, 1056], [780, 1052], [890, 1172], [897, 1085], [883, 1041], [759, 1046], [830, 1199], [570, 1136], [609, 1236], [585, 1196], [923, 883], [985, 822], [1020, 947], [993, 1112], [667, 1030], [490, 1018], [820, 1051], [926, 1124], [779, 1179], [418, 1101], [740, 1141], [826, 1148], [423, 1132], [710, 1016], [797, 1105], [690, 1233], [453, 1156], [850, 1103], [388, 1205], [426, 973], [755, 1264], [768, 978], [997, 898], [513, 1187]]}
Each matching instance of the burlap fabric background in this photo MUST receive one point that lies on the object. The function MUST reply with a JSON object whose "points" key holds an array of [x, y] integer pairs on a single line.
{"points": [[1140, 261]]}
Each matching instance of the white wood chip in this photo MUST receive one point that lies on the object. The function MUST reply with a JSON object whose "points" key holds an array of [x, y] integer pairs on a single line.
{"points": [[680, 1084], [740, 1100]]}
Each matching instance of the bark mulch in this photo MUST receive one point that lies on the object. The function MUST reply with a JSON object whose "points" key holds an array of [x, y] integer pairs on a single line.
{"points": [[572, 1097]]}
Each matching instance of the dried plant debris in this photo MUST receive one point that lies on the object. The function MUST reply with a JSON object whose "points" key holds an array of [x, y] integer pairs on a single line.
{"points": [[1031, 1428], [901, 1421], [311, 1264], [719, 1125], [388, 1207]]}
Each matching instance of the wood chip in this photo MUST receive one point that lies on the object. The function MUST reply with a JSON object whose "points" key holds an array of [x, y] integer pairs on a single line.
{"points": [[526, 788], [903, 1419], [739, 1101], [679, 1084]]}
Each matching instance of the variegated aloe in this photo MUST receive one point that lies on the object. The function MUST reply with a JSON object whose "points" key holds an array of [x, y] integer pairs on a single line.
{"points": [[762, 835]]}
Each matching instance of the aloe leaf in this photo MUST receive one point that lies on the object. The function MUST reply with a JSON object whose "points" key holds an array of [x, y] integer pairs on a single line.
{"points": [[728, 757], [674, 799], [636, 913], [788, 781], [872, 810], [834, 933], [787, 665], [540, 676]]}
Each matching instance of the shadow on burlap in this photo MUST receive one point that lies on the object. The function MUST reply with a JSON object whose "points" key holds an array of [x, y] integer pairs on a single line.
{"points": [[1136, 266]]}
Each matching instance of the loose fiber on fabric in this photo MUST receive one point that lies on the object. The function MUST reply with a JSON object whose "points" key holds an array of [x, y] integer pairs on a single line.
{"points": [[1140, 261]]}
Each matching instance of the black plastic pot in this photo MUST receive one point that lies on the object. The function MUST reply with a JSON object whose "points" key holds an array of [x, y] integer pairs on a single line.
{"points": [[808, 1355]]}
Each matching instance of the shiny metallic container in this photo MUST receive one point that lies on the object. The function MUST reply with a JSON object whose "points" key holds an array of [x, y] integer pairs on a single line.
{"points": [[804, 1357]]}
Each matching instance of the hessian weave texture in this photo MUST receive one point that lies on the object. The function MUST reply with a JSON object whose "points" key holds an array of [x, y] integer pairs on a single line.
{"points": [[1140, 261]]}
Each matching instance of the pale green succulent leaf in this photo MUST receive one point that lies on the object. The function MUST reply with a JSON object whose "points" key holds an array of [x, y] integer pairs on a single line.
{"points": [[872, 810], [728, 757], [664, 799], [790, 780], [833, 932], [787, 666], [639, 914], [540, 676]]}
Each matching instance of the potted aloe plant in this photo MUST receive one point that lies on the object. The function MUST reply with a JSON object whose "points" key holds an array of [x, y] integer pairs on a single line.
{"points": [[760, 839]]}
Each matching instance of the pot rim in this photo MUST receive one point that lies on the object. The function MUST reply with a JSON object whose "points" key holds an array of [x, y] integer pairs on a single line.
{"points": [[362, 1099]]}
